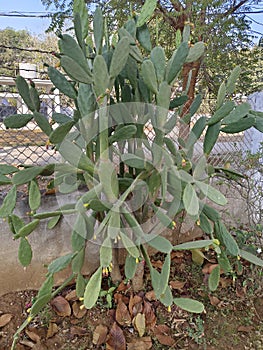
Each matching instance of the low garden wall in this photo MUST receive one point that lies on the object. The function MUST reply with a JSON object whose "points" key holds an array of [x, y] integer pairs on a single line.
{"points": [[50, 244]]}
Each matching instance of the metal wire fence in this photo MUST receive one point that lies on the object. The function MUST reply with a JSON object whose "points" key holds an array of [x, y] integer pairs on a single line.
{"points": [[28, 145]]}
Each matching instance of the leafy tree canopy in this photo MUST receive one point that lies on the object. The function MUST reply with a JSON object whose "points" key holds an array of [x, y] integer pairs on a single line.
{"points": [[20, 46]]}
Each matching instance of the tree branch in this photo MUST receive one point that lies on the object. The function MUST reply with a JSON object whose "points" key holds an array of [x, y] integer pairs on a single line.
{"points": [[234, 8]]}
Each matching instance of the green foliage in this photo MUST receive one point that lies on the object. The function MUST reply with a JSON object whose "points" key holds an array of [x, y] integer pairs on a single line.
{"points": [[132, 202]]}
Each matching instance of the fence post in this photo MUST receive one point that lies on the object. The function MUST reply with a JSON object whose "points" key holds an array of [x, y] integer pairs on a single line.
{"points": [[256, 102], [57, 101]]}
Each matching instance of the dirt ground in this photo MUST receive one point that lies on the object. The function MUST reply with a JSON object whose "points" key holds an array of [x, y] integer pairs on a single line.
{"points": [[233, 316], [25, 137]]}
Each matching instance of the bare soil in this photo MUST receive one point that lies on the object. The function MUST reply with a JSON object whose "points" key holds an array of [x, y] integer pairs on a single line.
{"points": [[233, 317], [25, 137]]}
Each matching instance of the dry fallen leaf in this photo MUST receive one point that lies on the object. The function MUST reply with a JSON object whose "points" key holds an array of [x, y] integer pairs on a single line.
{"points": [[118, 296], [52, 329], [177, 254], [245, 329], [150, 295], [135, 305], [51, 191], [225, 282], [162, 329], [144, 343], [139, 323], [116, 339], [61, 306], [214, 300], [158, 264], [80, 331], [123, 287], [5, 319], [33, 336], [100, 335], [71, 296], [123, 316], [27, 343], [163, 334], [177, 284], [150, 317], [165, 339], [77, 311], [209, 267]]}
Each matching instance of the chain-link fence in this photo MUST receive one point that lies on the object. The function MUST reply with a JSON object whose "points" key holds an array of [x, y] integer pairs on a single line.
{"points": [[28, 145]]}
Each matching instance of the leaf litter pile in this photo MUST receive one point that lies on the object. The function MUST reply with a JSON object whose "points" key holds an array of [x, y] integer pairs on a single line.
{"points": [[124, 320]]}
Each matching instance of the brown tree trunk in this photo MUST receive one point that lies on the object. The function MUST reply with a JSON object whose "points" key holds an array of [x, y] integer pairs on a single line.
{"points": [[187, 68]]}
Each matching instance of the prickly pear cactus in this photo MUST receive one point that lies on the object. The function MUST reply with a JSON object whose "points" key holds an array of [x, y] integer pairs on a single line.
{"points": [[118, 146]]}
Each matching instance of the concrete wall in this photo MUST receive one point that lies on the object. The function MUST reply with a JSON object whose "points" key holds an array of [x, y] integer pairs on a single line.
{"points": [[46, 245], [50, 244]]}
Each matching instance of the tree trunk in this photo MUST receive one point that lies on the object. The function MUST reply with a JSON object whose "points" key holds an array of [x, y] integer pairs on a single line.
{"points": [[187, 68]]}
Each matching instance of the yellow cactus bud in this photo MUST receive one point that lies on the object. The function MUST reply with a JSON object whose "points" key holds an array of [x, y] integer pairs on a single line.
{"points": [[82, 307], [198, 223], [29, 319], [81, 298], [169, 308], [137, 260], [173, 224], [85, 205], [216, 241], [28, 310]]}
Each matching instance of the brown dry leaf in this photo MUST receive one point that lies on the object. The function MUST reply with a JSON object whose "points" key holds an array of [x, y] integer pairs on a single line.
{"points": [[225, 282], [100, 335], [158, 264], [162, 329], [123, 287], [5, 319], [245, 329], [40, 331], [77, 311], [71, 296], [139, 323], [61, 306], [52, 329], [80, 331], [150, 295], [116, 339], [51, 191], [75, 321], [135, 305], [27, 343], [177, 254], [20, 347], [214, 300], [165, 339], [208, 268], [177, 284], [123, 316], [144, 343], [150, 317], [118, 296], [33, 336]]}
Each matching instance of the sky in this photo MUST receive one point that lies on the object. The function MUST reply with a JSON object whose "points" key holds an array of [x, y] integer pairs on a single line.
{"points": [[38, 26], [34, 25]]}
